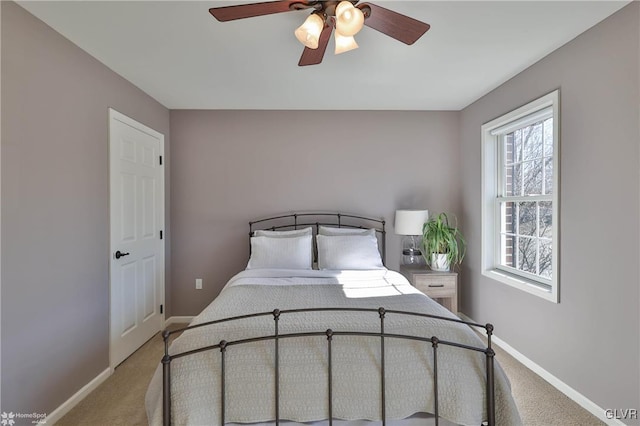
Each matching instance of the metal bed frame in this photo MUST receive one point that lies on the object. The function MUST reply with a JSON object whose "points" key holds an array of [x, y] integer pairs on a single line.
{"points": [[328, 334]]}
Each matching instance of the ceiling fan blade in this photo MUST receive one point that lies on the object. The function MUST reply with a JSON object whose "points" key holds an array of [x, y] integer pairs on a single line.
{"points": [[239, 11], [394, 24], [314, 56]]}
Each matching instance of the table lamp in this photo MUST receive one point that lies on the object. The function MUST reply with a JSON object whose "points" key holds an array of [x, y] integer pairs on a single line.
{"points": [[409, 224]]}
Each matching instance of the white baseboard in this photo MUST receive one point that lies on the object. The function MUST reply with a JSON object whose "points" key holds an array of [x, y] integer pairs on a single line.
{"points": [[573, 394], [59, 412], [63, 409], [177, 320]]}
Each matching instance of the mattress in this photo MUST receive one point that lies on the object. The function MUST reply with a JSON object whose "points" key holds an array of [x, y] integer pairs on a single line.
{"points": [[250, 372]]}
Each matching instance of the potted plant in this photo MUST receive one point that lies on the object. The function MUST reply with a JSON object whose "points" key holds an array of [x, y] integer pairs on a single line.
{"points": [[443, 244]]}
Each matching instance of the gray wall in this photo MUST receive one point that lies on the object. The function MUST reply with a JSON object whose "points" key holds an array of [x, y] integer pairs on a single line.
{"points": [[229, 167], [55, 215], [589, 340]]}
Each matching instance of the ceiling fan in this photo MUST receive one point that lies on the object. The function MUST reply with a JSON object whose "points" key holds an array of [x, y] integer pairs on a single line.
{"points": [[347, 17]]}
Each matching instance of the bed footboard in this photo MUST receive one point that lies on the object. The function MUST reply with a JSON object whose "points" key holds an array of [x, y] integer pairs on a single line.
{"points": [[328, 334]]}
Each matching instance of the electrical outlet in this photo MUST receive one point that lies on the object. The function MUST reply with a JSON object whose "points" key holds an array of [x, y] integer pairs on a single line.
{"points": [[198, 283]]}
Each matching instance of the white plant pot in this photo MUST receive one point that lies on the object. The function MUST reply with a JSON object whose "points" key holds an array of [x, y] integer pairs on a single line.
{"points": [[439, 262]]}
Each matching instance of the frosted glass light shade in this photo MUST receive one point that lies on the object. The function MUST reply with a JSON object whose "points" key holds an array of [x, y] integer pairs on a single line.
{"points": [[349, 19], [410, 222], [309, 32], [342, 6], [344, 43]]}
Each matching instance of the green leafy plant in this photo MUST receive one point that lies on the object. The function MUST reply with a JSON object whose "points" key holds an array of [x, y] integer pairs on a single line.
{"points": [[440, 237]]}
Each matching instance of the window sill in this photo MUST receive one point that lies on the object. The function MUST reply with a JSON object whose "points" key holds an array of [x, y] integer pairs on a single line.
{"points": [[523, 284]]}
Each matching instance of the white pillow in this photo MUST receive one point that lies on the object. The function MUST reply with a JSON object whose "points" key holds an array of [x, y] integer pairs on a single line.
{"points": [[328, 230], [283, 234], [348, 252], [280, 253]]}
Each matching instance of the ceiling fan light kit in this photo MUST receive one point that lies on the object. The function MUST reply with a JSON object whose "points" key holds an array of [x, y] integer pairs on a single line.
{"points": [[347, 18]]}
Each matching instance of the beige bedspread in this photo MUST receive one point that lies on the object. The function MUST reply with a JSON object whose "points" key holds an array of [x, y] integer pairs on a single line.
{"points": [[356, 360]]}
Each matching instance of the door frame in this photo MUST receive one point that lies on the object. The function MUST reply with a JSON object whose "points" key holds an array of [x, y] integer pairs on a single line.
{"points": [[118, 116]]}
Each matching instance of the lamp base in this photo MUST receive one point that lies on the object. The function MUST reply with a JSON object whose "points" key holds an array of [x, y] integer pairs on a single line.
{"points": [[412, 257], [411, 254]]}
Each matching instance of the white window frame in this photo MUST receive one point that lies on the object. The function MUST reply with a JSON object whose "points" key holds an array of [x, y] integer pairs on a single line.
{"points": [[548, 289]]}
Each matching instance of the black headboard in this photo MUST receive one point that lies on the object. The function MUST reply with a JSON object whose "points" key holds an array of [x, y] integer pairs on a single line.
{"points": [[315, 220]]}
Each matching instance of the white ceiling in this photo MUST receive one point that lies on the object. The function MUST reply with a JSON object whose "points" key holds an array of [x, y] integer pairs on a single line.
{"points": [[181, 56]]}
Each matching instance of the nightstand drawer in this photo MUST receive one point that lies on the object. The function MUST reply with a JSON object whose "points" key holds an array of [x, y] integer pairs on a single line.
{"points": [[435, 281], [436, 286]]}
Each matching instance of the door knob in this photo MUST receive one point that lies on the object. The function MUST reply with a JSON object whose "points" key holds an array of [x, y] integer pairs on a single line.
{"points": [[120, 254]]}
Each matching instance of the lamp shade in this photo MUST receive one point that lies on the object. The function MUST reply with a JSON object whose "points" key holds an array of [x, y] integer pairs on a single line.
{"points": [[349, 19], [410, 222], [309, 32], [344, 43], [343, 6]]}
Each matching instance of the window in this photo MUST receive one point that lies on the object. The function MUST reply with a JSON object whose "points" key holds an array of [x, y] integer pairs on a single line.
{"points": [[520, 171]]}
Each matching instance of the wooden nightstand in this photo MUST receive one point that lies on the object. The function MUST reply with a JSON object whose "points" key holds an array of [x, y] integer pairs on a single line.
{"points": [[441, 286]]}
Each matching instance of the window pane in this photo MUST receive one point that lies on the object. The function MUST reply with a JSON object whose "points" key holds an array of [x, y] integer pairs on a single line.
{"points": [[507, 249], [532, 175], [513, 180], [545, 258], [548, 176], [545, 219], [509, 149], [548, 137], [507, 219], [527, 219], [526, 236], [527, 248], [517, 145], [532, 141]]}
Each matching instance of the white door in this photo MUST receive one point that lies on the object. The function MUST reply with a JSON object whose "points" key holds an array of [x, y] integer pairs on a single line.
{"points": [[137, 244]]}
